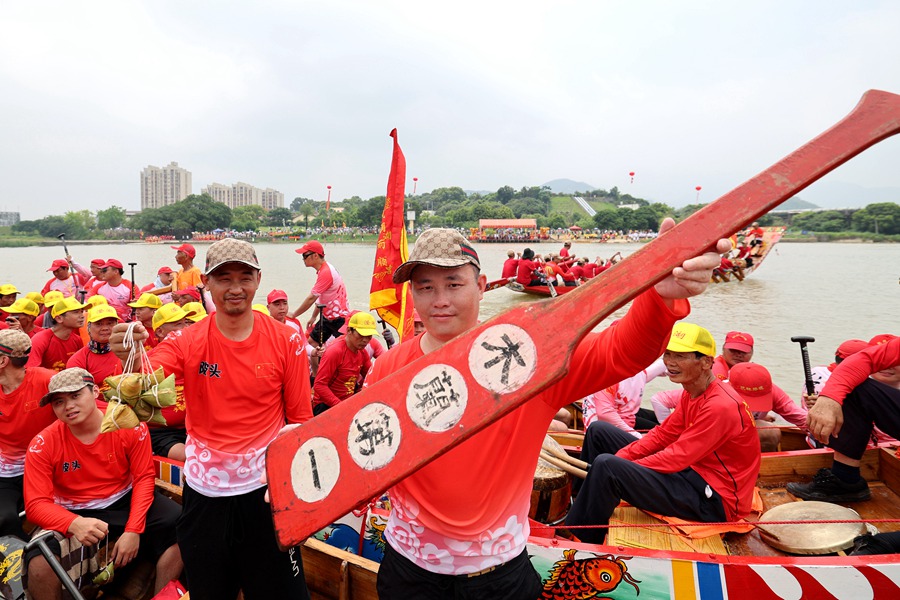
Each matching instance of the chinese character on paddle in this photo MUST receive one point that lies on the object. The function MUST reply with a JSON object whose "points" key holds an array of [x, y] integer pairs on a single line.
{"points": [[372, 434], [435, 397], [506, 356]]}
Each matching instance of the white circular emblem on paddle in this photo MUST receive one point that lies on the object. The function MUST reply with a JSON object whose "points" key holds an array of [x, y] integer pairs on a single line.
{"points": [[503, 358], [436, 398], [374, 436], [315, 469]]}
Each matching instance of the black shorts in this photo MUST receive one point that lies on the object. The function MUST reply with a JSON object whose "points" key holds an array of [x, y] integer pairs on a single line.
{"points": [[159, 528], [163, 438], [228, 543], [11, 504], [325, 329]]}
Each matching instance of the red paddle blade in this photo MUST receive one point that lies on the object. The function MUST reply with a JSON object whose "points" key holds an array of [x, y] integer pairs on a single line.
{"points": [[319, 472]]}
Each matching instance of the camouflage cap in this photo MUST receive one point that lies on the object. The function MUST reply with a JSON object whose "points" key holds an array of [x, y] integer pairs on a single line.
{"points": [[69, 380], [230, 250], [444, 248], [14, 343]]}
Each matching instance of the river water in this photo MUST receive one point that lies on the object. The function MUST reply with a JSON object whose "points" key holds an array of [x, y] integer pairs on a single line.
{"points": [[831, 291]]}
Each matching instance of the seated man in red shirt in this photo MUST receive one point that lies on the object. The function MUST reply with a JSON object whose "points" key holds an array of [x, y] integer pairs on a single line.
{"points": [[700, 464], [852, 402], [344, 364], [52, 348], [90, 485], [20, 420]]}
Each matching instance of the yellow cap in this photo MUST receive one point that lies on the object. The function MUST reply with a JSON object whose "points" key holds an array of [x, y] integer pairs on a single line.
{"points": [[23, 306], [687, 337], [52, 297], [35, 297], [7, 288], [147, 300], [102, 311], [96, 300], [66, 305], [199, 313], [169, 313], [363, 323], [262, 308]]}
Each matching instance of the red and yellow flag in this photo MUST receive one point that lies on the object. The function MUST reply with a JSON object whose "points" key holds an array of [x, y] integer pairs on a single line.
{"points": [[393, 302]]}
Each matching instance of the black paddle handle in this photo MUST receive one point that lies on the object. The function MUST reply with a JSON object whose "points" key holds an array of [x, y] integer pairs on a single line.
{"points": [[804, 352]]}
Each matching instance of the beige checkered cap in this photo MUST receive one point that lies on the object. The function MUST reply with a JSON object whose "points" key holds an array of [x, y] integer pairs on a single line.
{"points": [[14, 343], [230, 250], [445, 248], [69, 380]]}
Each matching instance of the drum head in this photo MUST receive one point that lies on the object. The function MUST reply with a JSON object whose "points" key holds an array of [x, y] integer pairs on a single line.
{"points": [[810, 538]]}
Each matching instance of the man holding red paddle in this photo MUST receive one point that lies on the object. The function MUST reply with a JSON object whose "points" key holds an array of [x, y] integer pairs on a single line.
{"points": [[459, 525]]}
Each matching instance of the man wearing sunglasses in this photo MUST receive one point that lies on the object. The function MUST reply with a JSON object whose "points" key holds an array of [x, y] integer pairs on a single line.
{"points": [[329, 296]]}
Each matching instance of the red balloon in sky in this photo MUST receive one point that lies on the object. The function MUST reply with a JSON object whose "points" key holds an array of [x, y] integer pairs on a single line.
{"points": [[631, 174], [698, 188]]}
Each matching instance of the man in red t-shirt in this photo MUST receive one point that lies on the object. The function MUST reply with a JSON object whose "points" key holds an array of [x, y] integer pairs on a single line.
{"points": [[52, 348], [144, 309], [22, 418], [510, 265], [863, 392], [82, 483], [738, 348], [465, 513], [328, 294], [345, 363], [245, 376], [700, 464], [117, 290]]}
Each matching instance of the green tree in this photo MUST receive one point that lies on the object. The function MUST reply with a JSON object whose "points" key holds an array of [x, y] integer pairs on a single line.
{"points": [[53, 225], [883, 217], [555, 221], [247, 218], [608, 219], [307, 210], [279, 216], [369, 213], [528, 205], [111, 218], [297, 202], [505, 194], [79, 224]]}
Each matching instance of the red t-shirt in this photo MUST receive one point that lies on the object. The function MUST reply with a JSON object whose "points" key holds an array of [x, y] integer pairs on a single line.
{"points": [[715, 435], [174, 415], [510, 265], [51, 352], [21, 419], [63, 474], [480, 490], [34, 331], [339, 371], [330, 293], [525, 270], [238, 394], [854, 369], [720, 368]]}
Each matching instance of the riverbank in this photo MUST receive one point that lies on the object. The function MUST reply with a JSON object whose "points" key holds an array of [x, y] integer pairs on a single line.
{"points": [[24, 242]]}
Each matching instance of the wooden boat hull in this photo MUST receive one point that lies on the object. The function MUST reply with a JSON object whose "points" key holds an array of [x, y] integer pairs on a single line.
{"points": [[762, 575], [541, 290]]}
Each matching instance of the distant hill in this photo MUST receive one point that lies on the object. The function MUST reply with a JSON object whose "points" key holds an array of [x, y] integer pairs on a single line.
{"points": [[838, 194], [567, 186], [796, 203]]}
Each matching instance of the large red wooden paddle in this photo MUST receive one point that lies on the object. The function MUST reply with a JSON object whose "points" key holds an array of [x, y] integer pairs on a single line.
{"points": [[322, 470]]}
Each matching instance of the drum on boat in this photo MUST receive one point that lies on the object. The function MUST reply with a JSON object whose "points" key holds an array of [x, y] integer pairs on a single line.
{"points": [[808, 536], [551, 494]]}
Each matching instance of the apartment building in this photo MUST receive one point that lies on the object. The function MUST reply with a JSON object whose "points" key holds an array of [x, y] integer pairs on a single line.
{"points": [[166, 185]]}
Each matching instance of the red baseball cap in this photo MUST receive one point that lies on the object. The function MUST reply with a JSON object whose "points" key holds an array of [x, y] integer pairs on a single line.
{"points": [[59, 263], [98, 262], [753, 383], [113, 263], [881, 338], [738, 340], [311, 246], [163, 270], [850, 347], [276, 295], [187, 249], [189, 291]]}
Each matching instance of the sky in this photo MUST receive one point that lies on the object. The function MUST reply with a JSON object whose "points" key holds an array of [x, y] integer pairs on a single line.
{"points": [[299, 95]]}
